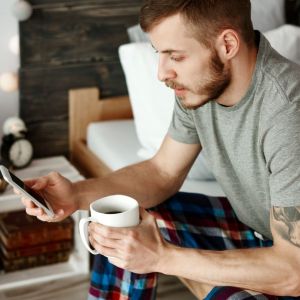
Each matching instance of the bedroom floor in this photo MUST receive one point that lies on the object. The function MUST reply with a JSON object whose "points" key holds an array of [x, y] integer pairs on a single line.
{"points": [[76, 289]]}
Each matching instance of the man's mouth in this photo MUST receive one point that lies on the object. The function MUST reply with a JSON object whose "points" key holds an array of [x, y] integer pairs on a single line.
{"points": [[180, 91], [177, 88]]}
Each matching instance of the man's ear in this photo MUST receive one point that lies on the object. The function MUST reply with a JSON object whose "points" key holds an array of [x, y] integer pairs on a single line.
{"points": [[228, 44]]}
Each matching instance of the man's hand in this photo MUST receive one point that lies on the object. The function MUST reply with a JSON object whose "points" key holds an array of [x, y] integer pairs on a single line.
{"points": [[57, 191], [138, 249]]}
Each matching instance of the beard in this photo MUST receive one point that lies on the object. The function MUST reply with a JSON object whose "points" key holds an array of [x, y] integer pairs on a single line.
{"points": [[209, 89]]}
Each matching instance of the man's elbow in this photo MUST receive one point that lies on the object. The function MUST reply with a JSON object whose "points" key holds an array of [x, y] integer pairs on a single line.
{"points": [[292, 284], [290, 280]]}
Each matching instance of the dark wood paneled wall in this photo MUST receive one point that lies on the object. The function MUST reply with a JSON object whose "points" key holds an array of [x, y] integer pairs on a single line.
{"points": [[69, 44], [292, 9]]}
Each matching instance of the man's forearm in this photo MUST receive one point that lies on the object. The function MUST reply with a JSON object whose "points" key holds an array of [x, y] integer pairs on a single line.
{"points": [[265, 270], [142, 181]]}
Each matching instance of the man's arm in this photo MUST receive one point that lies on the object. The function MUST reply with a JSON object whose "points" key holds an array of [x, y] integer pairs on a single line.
{"points": [[150, 182], [272, 270]]}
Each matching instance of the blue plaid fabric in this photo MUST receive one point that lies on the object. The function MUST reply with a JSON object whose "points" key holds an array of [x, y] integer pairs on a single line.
{"points": [[187, 220]]}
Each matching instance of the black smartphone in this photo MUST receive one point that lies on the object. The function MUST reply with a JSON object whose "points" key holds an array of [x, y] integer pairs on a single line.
{"points": [[28, 192]]}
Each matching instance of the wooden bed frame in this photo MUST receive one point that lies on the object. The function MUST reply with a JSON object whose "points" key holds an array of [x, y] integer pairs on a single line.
{"points": [[85, 106]]}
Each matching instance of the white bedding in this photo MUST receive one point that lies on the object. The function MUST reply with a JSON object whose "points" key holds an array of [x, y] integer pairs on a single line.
{"points": [[116, 143]]}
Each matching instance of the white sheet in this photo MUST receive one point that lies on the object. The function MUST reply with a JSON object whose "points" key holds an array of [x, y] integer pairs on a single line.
{"points": [[116, 143]]}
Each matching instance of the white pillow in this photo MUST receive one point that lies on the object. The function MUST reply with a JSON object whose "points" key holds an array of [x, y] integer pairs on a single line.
{"points": [[137, 35], [267, 14], [152, 102], [286, 40]]}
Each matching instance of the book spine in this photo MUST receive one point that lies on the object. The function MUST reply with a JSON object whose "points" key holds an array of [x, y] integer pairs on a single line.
{"points": [[36, 250], [33, 238], [35, 261]]}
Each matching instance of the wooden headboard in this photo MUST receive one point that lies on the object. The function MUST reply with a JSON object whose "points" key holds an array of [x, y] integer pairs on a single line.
{"points": [[69, 44], [85, 107]]}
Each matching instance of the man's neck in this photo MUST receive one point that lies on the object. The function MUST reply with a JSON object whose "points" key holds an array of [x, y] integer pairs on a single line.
{"points": [[242, 68]]}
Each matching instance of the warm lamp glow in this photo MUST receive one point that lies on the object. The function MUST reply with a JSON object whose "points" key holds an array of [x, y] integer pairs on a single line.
{"points": [[14, 44], [9, 82]]}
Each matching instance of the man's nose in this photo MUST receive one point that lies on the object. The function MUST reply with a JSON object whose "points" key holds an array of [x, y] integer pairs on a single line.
{"points": [[165, 72]]}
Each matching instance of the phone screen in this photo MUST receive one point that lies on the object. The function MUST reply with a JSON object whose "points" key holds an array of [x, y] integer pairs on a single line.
{"points": [[30, 191]]}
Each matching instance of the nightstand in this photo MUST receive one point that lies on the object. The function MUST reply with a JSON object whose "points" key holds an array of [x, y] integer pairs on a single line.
{"points": [[78, 263]]}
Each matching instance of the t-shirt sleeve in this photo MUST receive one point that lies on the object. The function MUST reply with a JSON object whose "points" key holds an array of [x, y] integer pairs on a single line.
{"points": [[281, 145], [182, 127]]}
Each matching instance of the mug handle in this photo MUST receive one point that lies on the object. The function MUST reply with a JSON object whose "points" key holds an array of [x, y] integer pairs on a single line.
{"points": [[82, 232]]}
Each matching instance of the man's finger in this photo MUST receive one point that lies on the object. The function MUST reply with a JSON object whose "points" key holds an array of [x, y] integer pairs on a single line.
{"points": [[106, 251], [108, 232], [36, 211], [37, 184], [16, 191], [30, 182], [105, 242], [28, 203]]}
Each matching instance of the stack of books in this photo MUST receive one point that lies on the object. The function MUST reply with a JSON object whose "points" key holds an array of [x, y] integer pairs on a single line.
{"points": [[27, 242]]}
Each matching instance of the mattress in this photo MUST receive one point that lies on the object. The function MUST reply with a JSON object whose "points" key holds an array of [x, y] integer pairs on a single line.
{"points": [[116, 143]]}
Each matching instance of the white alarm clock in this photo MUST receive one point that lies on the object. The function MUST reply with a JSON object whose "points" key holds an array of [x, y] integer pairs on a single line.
{"points": [[16, 149], [20, 153]]}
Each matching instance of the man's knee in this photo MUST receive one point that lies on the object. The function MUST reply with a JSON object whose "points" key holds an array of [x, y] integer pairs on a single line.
{"points": [[199, 290]]}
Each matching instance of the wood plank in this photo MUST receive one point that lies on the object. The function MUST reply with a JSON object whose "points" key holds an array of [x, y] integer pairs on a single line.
{"points": [[85, 33], [292, 11], [49, 82], [39, 3], [85, 107], [49, 138], [44, 92], [87, 162]]}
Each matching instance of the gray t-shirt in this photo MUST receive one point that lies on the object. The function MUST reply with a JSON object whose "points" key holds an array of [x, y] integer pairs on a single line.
{"points": [[253, 147]]}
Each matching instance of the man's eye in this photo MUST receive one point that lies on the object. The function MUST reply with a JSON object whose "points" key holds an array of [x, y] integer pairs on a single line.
{"points": [[176, 58]]}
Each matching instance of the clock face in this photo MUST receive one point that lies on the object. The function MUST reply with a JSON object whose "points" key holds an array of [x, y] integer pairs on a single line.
{"points": [[21, 153]]}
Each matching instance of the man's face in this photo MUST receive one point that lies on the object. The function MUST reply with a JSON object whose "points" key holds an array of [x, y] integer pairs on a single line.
{"points": [[195, 72]]}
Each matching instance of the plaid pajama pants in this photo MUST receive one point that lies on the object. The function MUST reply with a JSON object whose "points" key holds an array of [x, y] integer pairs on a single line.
{"points": [[187, 220]]}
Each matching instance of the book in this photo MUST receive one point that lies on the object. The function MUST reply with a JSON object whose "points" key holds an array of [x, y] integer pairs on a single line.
{"points": [[19, 230], [36, 250], [21, 263]]}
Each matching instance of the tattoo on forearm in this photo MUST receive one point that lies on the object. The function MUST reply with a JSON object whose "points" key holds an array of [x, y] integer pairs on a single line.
{"points": [[288, 223]]}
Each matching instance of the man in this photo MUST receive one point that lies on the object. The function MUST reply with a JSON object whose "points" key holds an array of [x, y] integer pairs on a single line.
{"points": [[238, 101]]}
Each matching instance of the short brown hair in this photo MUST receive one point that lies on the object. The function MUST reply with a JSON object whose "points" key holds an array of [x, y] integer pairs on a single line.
{"points": [[207, 18]]}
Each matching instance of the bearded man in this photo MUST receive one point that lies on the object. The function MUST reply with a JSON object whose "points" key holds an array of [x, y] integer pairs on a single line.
{"points": [[237, 101]]}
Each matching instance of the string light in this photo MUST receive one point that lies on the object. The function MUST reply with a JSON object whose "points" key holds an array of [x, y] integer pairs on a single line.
{"points": [[9, 82], [22, 10], [14, 44]]}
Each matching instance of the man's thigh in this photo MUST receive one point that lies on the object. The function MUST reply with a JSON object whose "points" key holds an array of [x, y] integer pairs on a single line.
{"points": [[198, 221]]}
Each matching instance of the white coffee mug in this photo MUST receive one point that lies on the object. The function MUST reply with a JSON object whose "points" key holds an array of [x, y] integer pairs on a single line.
{"points": [[112, 211]]}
